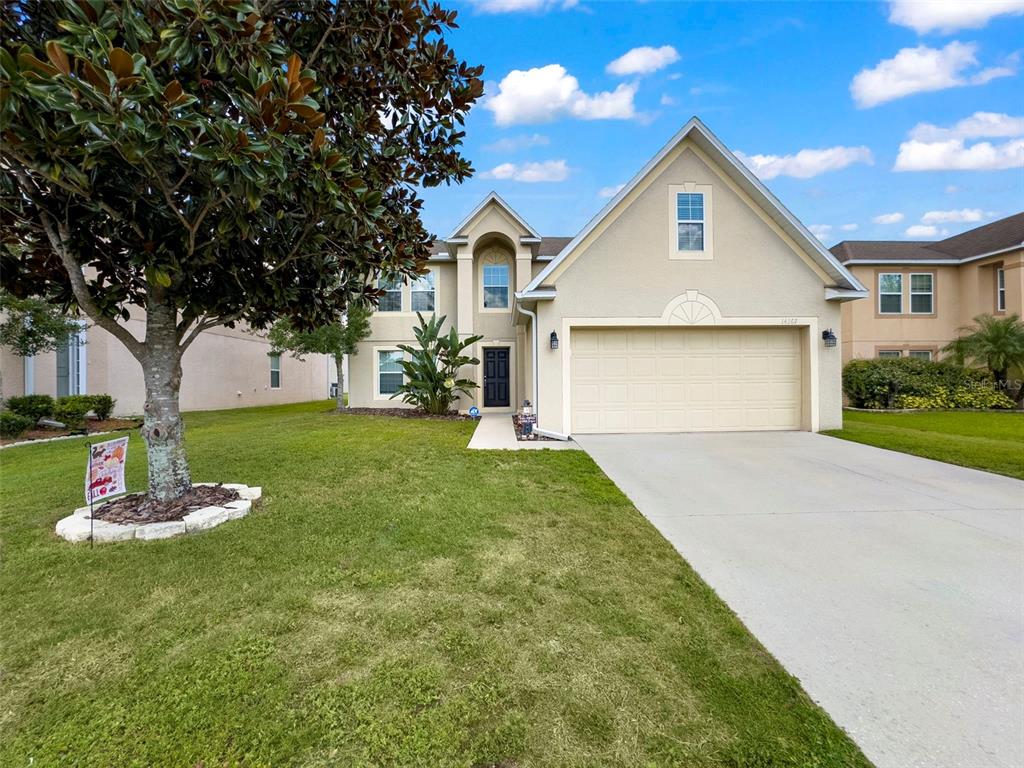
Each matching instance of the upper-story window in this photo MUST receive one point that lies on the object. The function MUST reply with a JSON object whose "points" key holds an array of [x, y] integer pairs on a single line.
{"points": [[890, 293], [922, 293], [423, 290], [690, 221], [1001, 290], [496, 286], [391, 301]]}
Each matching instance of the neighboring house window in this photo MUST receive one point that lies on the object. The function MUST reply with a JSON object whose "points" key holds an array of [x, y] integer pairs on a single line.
{"points": [[890, 293], [922, 293], [1001, 290], [889, 354], [921, 354], [690, 221], [496, 286], [389, 371], [275, 371], [423, 293], [71, 375], [391, 301]]}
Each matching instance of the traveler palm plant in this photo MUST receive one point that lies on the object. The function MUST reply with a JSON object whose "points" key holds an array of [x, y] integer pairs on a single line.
{"points": [[431, 370]]}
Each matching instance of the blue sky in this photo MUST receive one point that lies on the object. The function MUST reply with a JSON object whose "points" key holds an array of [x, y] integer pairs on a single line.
{"points": [[933, 89]]}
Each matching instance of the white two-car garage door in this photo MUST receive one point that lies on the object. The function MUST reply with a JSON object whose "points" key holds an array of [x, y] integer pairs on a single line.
{"points": [[672, 379]]}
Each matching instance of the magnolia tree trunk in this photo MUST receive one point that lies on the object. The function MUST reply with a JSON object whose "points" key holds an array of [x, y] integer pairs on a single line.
{"points": [[339, 365], [162, 428]]}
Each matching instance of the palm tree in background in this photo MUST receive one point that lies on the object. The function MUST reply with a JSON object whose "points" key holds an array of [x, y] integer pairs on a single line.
{"points": [[996, 343]]}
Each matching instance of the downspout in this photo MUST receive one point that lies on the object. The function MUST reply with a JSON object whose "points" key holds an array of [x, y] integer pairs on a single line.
{"points": [[536, 376]]}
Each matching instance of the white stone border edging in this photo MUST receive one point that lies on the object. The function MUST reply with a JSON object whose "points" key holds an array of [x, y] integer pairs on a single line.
{"points": [[76, 527], [59, 437]]}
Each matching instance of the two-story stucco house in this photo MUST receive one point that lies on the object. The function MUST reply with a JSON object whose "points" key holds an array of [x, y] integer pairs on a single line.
{"points": [[693, 301], [923, 292]]}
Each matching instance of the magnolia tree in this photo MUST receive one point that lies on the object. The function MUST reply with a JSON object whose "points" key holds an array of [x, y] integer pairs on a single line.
{"points": [[32, 326], [336, 339], [214, 163]]}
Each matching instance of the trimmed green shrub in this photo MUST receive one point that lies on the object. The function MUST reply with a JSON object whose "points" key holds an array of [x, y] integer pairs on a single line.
{"points": [[102, 405], [33, 407], [13, 424], [907, 382], [70, 410]]}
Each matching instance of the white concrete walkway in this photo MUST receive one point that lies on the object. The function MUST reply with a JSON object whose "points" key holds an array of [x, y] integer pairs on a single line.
{"points": [[494, 431]]}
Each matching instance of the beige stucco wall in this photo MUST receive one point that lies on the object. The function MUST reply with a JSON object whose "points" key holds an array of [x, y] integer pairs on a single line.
{"points": [[962, 292], [224, 368], [491, 233], [624, 271]]}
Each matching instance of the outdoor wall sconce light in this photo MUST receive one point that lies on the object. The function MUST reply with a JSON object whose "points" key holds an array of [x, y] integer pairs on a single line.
{"points": [[829, 338], [554, 340]]}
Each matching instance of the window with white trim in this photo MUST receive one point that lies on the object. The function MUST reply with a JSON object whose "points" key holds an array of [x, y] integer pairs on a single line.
{"points": [[496, 286], [423, 290], [389, 371], [1001, 289], [922, 293], [890, 293], [690, 221], [391, 300], [920, 354], [889, 354], [275, 371]]}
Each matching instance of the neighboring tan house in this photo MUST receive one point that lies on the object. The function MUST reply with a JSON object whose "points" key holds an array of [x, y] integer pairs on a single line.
{"points": [[224, 368], [923, 292], [694, 301]]}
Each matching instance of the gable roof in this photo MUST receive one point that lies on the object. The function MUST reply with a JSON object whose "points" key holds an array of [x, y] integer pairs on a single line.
{"points": [[494, 197], [988, 239], [699, 133], [547, 248]]}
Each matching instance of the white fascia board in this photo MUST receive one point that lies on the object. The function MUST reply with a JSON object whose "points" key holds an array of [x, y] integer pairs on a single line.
{"points": [[492, 197], [904, 262], [529, 240], [742, 175], [541, 295], [844, 294]]}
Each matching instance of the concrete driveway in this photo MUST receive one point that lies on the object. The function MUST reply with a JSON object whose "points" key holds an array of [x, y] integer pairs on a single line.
{"points": [[891, 586]]}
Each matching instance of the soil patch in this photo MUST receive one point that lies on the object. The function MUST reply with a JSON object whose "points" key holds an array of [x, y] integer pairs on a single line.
{"points": [[138, 508], [404, 413], [92, 425]]}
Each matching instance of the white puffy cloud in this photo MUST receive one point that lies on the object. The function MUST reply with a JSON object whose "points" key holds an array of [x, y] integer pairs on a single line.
{"points": [[550, 170], [610, 191], [963, 216], [666, 100], [643, 60], [516, 143], [820, 231], [954, 155], [979, 125], [543, 94], [888, 218], [949, 15], [921, 69], [934, 148], [517, 6], [921, 230], [952, 189], [849, 227], [805, 163]]}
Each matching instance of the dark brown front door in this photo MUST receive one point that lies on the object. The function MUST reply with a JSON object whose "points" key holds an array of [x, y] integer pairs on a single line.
{"points": [[496, 377]]}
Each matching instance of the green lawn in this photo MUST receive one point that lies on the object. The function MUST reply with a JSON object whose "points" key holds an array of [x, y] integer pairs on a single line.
{"points": [[984, 440], [396, 600]]}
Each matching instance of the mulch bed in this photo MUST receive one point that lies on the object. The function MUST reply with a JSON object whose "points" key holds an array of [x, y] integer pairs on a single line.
{"points": [[138, 508], [404, 413], [534, 436], [92, 425]]}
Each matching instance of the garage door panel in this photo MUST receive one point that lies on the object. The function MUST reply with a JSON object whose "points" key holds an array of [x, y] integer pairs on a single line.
{"points": [[678, 379]]}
